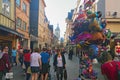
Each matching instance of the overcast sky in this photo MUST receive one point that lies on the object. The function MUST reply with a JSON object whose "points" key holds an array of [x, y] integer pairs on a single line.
{"points": [[57, 10]]}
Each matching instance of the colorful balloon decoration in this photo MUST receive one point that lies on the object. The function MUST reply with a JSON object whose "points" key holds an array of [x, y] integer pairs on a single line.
{"points": [[89, 32], [93, 49]]}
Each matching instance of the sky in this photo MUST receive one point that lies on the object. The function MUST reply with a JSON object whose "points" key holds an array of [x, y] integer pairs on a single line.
{"points": [[57, 11]]}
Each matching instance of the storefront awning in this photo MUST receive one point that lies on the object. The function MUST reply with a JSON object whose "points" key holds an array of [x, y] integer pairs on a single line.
{"points": [[10, 31]]}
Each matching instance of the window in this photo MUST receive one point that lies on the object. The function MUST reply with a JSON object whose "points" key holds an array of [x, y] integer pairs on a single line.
{"points": [[6, 7], [18, 3], [24, 25], [18, 22], [24, 7]]}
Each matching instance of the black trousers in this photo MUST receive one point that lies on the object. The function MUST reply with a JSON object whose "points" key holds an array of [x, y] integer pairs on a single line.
{"points": [[59, 73]]}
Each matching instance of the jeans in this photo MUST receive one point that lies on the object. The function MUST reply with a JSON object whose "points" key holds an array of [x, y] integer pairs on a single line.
{"points": [[27, 64], [21, 60], [14, 60], [59, 73]]}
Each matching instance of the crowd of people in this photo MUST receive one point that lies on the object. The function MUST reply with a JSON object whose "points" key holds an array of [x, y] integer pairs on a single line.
{"points": [[36, 63]]}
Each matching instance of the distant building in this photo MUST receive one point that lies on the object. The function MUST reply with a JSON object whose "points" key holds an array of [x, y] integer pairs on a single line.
{"points": [[57, 32]]}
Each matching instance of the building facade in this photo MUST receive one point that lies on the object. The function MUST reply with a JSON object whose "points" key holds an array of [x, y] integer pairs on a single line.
{"points": [[22, 22], [111, 12], [8, 33], [69, 31], [42, 25], [39, 25], [50, 36], [34, 21], [55, 42]]}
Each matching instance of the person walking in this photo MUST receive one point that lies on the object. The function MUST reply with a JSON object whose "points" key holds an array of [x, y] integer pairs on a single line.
{"points": [[21, 56], [59, 64], [14, 53], [35, 63], [70, 54], [26, 61], [45, 57], [109, 68], [4, 62]]}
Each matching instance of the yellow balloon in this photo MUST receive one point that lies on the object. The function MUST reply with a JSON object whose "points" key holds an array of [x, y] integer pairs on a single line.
{"points": [[78, 45]]}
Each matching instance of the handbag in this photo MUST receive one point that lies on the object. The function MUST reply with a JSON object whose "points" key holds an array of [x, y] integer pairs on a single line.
{"points": [[65, 74], [9, 75]]}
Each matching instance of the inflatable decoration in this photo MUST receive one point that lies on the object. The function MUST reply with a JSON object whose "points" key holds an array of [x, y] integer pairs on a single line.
{"points": [[94, 15], [103, 24], [84, 36], [108, 33], [88, 4], [97, 38], [93, 49], [72, 38], [94, 21], [81, 27], [94, 26], [89, 73], [79, 46], [95, 2], [81, 17]]}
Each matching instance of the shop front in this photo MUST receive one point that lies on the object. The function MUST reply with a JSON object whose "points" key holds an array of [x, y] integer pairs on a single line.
{"points": [[8, 37]]}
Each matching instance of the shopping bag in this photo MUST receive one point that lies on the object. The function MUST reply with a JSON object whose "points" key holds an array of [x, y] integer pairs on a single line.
{"points": [[9, 75], [65, 74], [23, 66]]}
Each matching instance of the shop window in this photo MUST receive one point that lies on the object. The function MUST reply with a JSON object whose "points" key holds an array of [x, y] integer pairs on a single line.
{"points": [[6, 7], [18, 22], [24, 7], [24, 25], [18, 3]]}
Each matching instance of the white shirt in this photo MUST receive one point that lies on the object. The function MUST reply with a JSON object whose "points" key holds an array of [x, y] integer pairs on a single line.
{"points": [[59, 62], [35, 59]]}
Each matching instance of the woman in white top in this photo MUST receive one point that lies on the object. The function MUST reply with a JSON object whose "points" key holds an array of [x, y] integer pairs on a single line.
{"points": [[59, 64], [35, 63]]}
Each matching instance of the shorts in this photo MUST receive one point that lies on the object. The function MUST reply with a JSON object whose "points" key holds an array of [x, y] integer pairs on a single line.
{"points": [[35, 69], [45, 68]]}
